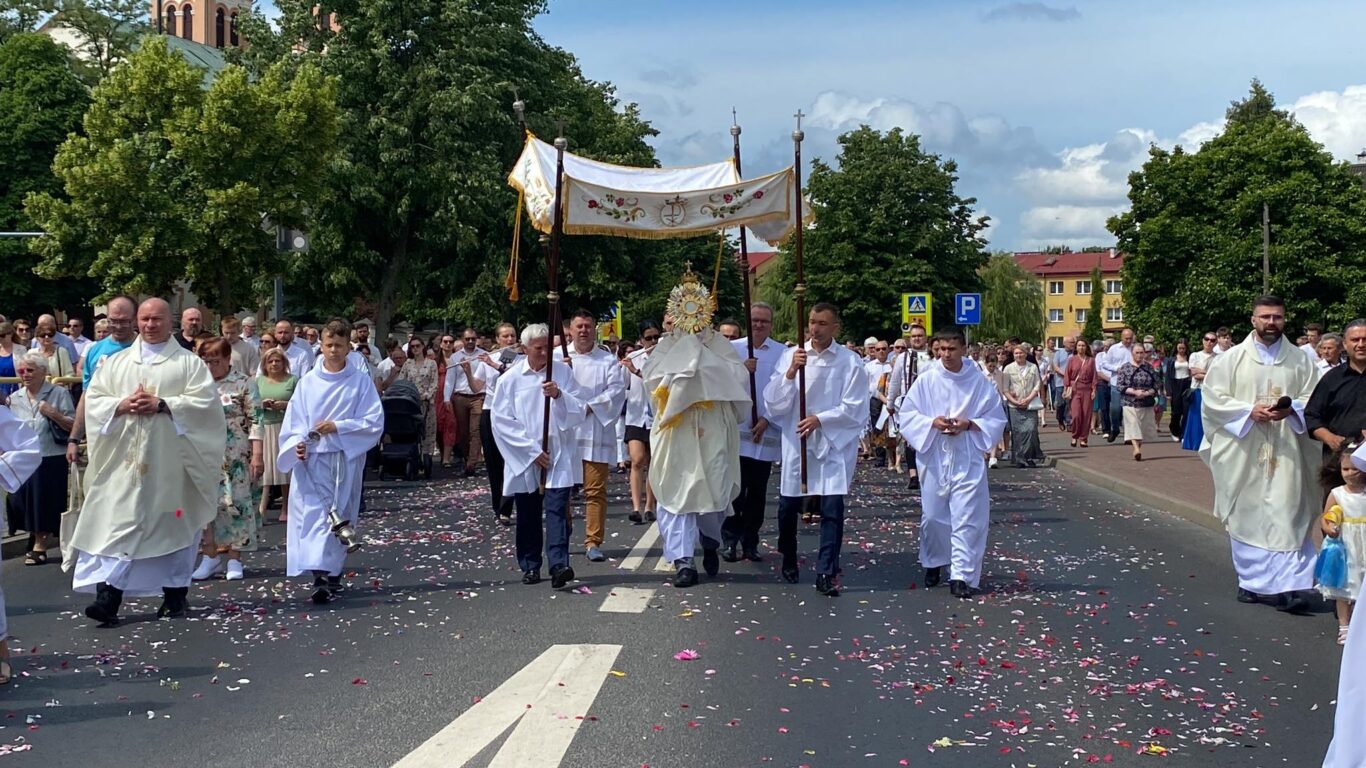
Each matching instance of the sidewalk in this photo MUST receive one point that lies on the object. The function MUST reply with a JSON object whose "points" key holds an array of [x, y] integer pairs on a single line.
{"points": [[1168, 478]]}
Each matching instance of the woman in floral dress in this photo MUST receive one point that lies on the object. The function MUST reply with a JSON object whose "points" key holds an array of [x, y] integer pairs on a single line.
{"points": [[422, 373], [234, 530]]}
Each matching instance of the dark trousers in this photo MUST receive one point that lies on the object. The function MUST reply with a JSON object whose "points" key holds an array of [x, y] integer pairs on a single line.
{"points": [[493, 465], [1103, 390], [743, 527], [552, 512], [1116, 411], [832, 531], [1061, 408], [1177, 403]]}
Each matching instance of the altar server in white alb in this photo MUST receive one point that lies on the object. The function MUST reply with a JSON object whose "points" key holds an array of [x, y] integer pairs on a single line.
{"points": [[1262, 461], [332, 421], [518, 413], [603, 384], [156, 435], [700, 391], [951, 417], [759, 445], [836, 416], [20, 455]]}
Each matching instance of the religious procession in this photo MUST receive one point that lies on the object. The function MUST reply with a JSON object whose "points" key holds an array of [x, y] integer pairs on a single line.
{"points": [[393, 387]]}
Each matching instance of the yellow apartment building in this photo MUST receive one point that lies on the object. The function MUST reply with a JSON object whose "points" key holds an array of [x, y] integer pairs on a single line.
{"points": [[1066, 282]]}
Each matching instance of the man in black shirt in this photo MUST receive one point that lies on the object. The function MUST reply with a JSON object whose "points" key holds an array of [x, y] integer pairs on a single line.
{"points": [[1337, 409]]}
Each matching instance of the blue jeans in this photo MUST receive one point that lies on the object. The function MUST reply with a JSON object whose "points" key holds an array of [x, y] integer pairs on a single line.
{"points": [[1060, 409], [832, 531], [1116, 411], [532, 508], [1103, 406]]}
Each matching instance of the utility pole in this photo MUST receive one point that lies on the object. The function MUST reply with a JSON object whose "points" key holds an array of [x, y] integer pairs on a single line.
{"points": [[1266, 248]]}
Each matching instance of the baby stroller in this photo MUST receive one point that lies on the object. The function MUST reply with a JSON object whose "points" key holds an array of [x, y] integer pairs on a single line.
{"points": [[401, 447]]}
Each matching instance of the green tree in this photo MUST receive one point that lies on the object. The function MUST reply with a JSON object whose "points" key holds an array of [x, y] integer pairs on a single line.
{"points": [[173, 182], [1012, 301], [1095, 314], [107, 32], [20, 16], [1193, 236], [889, 221], [417, 219], [41, 102]]}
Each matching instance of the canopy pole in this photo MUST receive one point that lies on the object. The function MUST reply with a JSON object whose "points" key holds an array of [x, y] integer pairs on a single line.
{"points": [[552, 293], [744, 278], [800, 289]]}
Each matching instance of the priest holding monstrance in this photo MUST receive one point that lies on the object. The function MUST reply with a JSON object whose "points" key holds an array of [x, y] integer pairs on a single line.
{"points": [[157, 434], [1262, 460]]}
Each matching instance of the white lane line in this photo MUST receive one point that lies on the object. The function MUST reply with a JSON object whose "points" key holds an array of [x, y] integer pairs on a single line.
{"points": [[545, 699], [664, 566], [627, 600], [642, 548]]}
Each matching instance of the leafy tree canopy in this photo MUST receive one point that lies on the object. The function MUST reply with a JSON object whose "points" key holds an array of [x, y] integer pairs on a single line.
{"points": [[1193, 236], [1012, 301]]}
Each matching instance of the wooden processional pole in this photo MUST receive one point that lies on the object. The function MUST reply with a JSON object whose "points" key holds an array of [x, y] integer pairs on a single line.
{"points": [[744, 277], [800, 289], [552, 293]]}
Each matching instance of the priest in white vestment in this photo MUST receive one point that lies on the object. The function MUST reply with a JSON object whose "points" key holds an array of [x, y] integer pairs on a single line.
{"points": [[836, 416], [601, 379], [20, 455], [539, 478], [333, 420], [700, 392], [951, 417], [156, 435], [1263, 462]]}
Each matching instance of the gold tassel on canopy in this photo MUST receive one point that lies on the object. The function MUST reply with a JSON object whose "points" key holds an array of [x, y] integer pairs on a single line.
{"points": [[510, 282]]}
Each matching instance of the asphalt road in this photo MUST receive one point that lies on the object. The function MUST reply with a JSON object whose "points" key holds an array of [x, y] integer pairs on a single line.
{"points": [[1107, 633]]}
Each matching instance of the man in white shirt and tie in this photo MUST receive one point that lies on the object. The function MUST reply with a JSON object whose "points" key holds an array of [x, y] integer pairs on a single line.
{"points": [[760, 445]]}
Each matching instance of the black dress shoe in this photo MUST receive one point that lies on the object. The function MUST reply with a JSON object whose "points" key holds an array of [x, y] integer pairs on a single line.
{"points": [[791, 575], [826, 585], [320, 596], [1292, 602], [174, 603], [561, 576], [933, 576], [752, 555], [711, 563], [959, 588], [636, 518], [1110, 438], [1244, 596], [729, 554], [649, 515], [686, 577], [531, 577]]}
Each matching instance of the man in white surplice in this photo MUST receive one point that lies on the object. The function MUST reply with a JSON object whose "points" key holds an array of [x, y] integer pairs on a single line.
{"points": [[518, 413], [951, 417], [601, 379], [1262, 461], [157, 435], [700, 391], [836, 416], [333, 420], [759, 446]]}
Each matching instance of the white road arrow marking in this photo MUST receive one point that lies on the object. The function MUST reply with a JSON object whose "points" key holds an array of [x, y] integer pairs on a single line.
{"points": [[627, 600], [545, 699]]}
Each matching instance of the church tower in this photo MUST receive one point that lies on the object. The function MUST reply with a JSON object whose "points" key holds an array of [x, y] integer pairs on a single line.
{"points": [[209, 22]]}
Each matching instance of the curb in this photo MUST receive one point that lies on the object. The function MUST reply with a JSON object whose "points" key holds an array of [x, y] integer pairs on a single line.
{"points": [[1185, 510]]}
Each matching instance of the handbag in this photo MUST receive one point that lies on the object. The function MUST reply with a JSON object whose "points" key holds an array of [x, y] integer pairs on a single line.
{"points": [[1036, 404], [75, 497], [59, 435]]}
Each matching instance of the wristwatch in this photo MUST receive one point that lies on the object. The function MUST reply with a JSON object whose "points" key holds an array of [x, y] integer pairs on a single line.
{"points": [[73, 441]]}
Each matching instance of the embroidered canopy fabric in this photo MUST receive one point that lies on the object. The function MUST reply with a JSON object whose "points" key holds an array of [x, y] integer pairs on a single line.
{"points": [[606, 199]]}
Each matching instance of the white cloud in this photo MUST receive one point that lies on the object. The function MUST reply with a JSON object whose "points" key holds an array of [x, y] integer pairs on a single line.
{"points": [[1191, 138], [1336, 120], [1074, 225]]}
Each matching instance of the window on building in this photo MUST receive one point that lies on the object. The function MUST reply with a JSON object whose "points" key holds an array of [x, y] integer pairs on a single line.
{"points": [[1114, 286], [1083, 287], [1057, 341], [1114, 314], [1081, 316], [170, 20], [1054, 287], [187, 22], [233, 40], [1055, 315], [219, 22]]}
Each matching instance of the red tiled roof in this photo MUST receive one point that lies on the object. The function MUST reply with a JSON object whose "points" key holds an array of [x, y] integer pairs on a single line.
{"points": [[1070, 263], [758, 259]]}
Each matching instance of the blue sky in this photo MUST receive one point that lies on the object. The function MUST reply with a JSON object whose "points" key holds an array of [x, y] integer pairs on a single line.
{"points": [[1045, 106]]}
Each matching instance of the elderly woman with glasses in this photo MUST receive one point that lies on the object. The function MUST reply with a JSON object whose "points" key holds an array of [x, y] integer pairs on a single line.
{"points": [[58, 361], [47, 410]]}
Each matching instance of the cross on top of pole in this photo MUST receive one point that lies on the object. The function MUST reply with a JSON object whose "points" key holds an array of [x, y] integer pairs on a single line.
{"points": [[797, 135]]}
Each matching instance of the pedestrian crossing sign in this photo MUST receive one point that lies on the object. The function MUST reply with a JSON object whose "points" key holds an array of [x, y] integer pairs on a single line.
{"points": [[917, 309]]}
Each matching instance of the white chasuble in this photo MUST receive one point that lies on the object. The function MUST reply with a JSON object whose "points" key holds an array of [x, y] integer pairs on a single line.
{"points": [[518, 413], [836, 393], [700, 391], [1265, 490], [332, 474], [152, 482]]}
